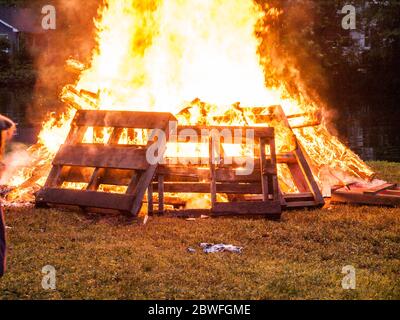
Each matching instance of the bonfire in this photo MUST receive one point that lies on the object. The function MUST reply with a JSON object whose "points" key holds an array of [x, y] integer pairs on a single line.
{"points": [[200, 61]]}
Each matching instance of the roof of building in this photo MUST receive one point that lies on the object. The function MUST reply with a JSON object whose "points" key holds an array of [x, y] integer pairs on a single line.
{"points": [[21, 19]]}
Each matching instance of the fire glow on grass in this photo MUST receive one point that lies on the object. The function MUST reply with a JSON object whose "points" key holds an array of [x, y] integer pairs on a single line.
{"points": [[170, 55]]}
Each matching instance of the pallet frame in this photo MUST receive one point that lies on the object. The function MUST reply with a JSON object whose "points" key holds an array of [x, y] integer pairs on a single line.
{"points": [[221, 178], [387, 194], [309, 192], [100, 160]]}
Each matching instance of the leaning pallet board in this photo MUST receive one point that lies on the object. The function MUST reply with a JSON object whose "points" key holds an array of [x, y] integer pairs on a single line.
{"points": [[94, 164], [214, 176], [387, 194], [308, 194]]}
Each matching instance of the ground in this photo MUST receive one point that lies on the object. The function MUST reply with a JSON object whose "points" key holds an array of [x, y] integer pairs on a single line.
{"points": [[300, 257]]}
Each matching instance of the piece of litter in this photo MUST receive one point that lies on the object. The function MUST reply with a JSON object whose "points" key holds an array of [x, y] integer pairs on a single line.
{"points": [[145, 220], [190, 219], [191, 250], [204, 217], [213, 248], [8, 228]]}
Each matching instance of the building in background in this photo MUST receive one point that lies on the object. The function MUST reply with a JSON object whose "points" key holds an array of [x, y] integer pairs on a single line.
{"points": [[22, 29]]}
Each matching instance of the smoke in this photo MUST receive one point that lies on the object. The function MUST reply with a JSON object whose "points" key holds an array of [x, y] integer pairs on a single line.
{"points": [[290, 53], [16, 159], [74, 37]]}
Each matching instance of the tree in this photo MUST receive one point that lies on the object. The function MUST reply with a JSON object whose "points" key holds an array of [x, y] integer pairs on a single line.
{"points": [[5, 46]]}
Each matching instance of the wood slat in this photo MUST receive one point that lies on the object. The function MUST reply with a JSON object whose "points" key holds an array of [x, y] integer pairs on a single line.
{"points": [[123, 119], [230, 188], [247, 208], [302, 204], [80, 198], [115, 177], [367, 199], [143, 182], [395, 192], [99, 173], [286, 158], [298, 196], [380, 188], [102, 156]]}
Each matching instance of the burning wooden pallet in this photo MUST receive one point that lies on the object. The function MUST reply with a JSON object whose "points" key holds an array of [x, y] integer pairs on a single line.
{"points": [[125, 166], [215, 176], [103, 164], [387, 194], [309, 194]]}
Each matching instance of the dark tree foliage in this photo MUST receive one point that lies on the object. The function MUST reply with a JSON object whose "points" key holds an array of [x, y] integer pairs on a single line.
{"points": [[311, 34], [4, 58]]}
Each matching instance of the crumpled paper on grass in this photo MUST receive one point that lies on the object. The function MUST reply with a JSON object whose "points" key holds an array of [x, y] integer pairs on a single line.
{"points": [[214, 248]]}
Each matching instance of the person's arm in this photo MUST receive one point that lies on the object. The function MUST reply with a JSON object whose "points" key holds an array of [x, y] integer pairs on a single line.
{"points": [[2, 242], [8, 126]]}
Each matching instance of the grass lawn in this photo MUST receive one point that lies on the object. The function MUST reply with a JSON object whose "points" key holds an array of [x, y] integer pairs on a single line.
{"points": [[300, 257]]}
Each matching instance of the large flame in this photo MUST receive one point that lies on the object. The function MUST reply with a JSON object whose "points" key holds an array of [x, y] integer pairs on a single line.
{"points": [[167, 55]]}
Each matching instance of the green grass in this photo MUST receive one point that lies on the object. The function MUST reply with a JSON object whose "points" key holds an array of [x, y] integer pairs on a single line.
{"points": [[389, 171], [300, 257]]}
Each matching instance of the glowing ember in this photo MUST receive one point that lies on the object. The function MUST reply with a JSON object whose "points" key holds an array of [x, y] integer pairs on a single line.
{"points": [[172, 55]]}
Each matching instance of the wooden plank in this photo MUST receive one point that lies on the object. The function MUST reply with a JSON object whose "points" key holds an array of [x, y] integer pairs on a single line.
{"points": [[54, 176], [286, 158], [224, 174], [298, 177], [80, 198], [380, 188], [302, 204], [247, 208], [95, 180], [161, 191], [203, 187], [76, 134], [263, 164], [297, 196], [150, 203], [273, 172], [395, 192], [141, 187], [123, 119], [133, 182], [313, 186], [338, 187], [213, 185], [99, 173], [365, 199], [115, 177], [102, 156], [187, 213]]}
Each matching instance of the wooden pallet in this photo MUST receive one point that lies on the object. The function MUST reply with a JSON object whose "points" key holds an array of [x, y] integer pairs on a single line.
{"points": [[387, 194], [104, 164], [309, 194], [218, 177]]}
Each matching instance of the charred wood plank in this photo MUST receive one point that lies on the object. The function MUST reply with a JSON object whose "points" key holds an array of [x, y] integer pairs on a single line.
{"points": [[247, 208], [123, 119], [361, 198], [202, 187], [102, 156], [81, 198], [377, 189]]}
